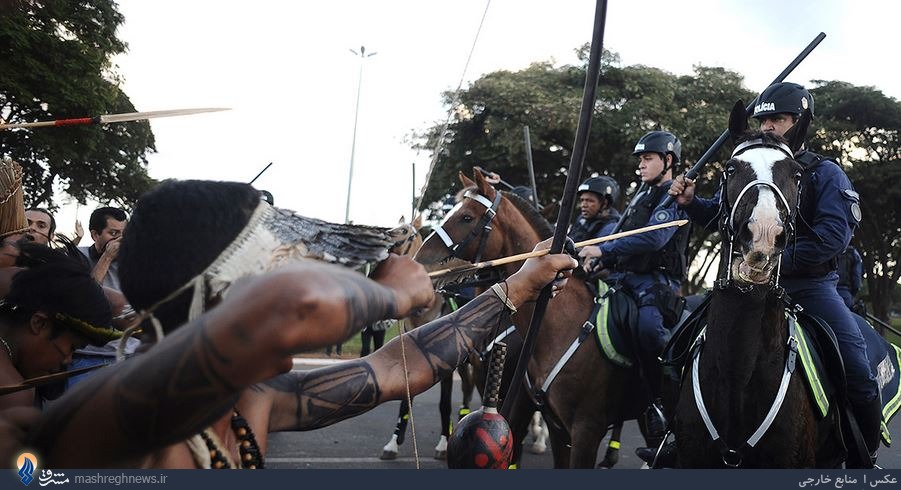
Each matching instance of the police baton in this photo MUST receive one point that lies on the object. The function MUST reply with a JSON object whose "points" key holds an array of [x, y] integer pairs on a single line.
{"points": [[696, 168]]}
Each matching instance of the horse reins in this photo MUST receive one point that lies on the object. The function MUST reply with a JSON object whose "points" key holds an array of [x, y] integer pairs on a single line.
{"points": [[480, 231]]}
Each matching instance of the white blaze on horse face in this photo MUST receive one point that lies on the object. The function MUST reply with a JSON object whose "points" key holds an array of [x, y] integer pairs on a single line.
{"points": [[765, 224]]}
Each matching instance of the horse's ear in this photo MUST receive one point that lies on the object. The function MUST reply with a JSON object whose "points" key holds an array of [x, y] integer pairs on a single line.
{"points": [[402, 220], [482, 184], [466, 181], [417, 221], [738, 120], [797, 134]]}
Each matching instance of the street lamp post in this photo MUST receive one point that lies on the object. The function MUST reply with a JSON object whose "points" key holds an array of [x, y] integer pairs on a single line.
{"points": [[350, 176]]}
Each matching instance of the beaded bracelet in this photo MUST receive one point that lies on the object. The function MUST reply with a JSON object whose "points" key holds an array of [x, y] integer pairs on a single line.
{"points": [[499, 291]]}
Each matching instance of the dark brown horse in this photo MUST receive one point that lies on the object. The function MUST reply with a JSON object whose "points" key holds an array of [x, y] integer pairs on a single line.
{"points": [[589, 392], [742, 403]]}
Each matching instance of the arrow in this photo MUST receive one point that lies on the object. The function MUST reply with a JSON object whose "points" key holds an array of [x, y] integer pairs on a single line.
{"points": [[539, 253], [111, 118], [43, 380]]}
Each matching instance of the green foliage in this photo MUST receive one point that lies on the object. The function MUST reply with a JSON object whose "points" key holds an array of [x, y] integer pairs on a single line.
{"points": [[860, 127], [55, 64]]}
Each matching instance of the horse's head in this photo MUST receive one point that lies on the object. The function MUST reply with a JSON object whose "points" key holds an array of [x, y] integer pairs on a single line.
{"points": [[759, 197], [407, 239], [465, 232]]}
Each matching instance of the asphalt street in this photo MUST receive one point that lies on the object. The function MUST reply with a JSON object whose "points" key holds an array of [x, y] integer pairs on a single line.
{"points": [[357, 443]]}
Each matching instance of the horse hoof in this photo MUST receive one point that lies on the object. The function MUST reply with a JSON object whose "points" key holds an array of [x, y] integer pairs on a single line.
{"points": [[388, 455], [390, 449], [538, 448], [441, 448]]}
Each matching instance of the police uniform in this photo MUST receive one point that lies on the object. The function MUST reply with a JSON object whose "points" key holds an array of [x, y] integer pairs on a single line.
{"points": [[850, 275], [599, 226], [646, 262]]}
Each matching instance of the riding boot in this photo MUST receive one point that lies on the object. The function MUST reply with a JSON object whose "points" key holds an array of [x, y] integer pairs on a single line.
{"points": [[666, 459], [869, 419], [655, 424]]}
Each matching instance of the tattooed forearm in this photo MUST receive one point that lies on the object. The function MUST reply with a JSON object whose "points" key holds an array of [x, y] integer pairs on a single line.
{"points": [[325, 396], [367, 302], [152, 400], [447, 341]]}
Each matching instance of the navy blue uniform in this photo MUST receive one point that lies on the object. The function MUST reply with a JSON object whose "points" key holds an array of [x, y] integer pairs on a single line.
{"points": [[850, 275], [599, 226], [829, 212], [636, 261]]}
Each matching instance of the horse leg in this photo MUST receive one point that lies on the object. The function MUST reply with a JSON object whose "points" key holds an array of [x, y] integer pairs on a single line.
{"points": [[444, 407], [467, 385], [389, 451], [561, 446], [520, 417], [612, 455]]}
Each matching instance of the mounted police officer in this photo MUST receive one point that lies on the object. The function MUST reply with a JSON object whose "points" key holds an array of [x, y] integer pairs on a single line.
{"points": [[829, 213], [651, 265], [597, 216]]}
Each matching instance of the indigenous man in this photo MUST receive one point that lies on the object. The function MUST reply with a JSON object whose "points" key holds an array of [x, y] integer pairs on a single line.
{"points": [[222, 382]]}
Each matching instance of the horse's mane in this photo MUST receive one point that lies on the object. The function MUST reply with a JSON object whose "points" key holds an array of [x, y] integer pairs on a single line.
{"points": [[535, 219]]}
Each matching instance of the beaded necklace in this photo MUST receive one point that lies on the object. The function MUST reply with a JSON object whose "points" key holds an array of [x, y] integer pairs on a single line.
{"points": [[251, 458]]}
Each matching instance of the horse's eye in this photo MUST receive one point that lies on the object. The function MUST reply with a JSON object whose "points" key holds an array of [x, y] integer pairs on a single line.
{"points": [[467, 218], [730, 170], [797, 176]]}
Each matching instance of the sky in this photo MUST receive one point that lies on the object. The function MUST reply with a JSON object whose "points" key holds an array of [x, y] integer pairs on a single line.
{"points": [[286, 71]]}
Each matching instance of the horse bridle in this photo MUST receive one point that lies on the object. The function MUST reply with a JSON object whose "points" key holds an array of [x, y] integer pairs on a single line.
{"points": [[480, 231], [407, 242], [727, 209]]}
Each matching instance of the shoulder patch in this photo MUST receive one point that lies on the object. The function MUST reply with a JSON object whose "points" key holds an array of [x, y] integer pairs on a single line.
{"points": [[851, 194], [663, 216], [855, 211]]}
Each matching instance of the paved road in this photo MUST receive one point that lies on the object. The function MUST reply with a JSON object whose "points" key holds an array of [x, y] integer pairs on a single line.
{"points": [[357, 443]]}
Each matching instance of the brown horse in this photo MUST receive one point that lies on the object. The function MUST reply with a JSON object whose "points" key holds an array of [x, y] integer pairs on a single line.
{"points": [[589, 392], [742, 403]]}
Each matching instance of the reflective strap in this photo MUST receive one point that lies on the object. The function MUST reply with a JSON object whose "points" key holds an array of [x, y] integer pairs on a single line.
{"points": [[813, 380], [759, 143], [783, 386], [699, 400], [500, 337], [479, 199], [888, 411], [444, 237], [563, 360]]}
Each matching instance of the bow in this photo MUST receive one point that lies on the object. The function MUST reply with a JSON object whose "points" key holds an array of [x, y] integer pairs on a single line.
{"points": [[566, 203]]}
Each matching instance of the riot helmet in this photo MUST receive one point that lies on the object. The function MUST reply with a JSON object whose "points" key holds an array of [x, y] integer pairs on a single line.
{"points": [[662, 142], [603, 186], [783, 98]]}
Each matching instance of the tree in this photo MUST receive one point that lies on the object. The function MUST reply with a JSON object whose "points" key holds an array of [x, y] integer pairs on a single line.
{"points": [[54, 64], [860, 127]]}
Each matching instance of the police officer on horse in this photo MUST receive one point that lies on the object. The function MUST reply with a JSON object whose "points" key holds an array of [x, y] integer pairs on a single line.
{"points": [[597, 216], [829, 211], [650, 265]]}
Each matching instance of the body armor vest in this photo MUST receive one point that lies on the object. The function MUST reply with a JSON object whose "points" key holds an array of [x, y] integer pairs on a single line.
{"points": [[671, 259], [809, 161], [590, 228]]}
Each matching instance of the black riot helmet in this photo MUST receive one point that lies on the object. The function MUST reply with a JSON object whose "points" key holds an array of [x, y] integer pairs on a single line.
{"points": [[662, 142], [783, 98], [603, 186]]}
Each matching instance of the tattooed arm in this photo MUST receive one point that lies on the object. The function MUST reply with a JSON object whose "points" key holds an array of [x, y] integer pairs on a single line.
{"points": [[321, 397], [196, 374]]}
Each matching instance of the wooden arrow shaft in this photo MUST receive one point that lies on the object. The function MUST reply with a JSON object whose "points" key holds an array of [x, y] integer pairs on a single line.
{"points": [[43, 380], [539, 253], [111, 118]]}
